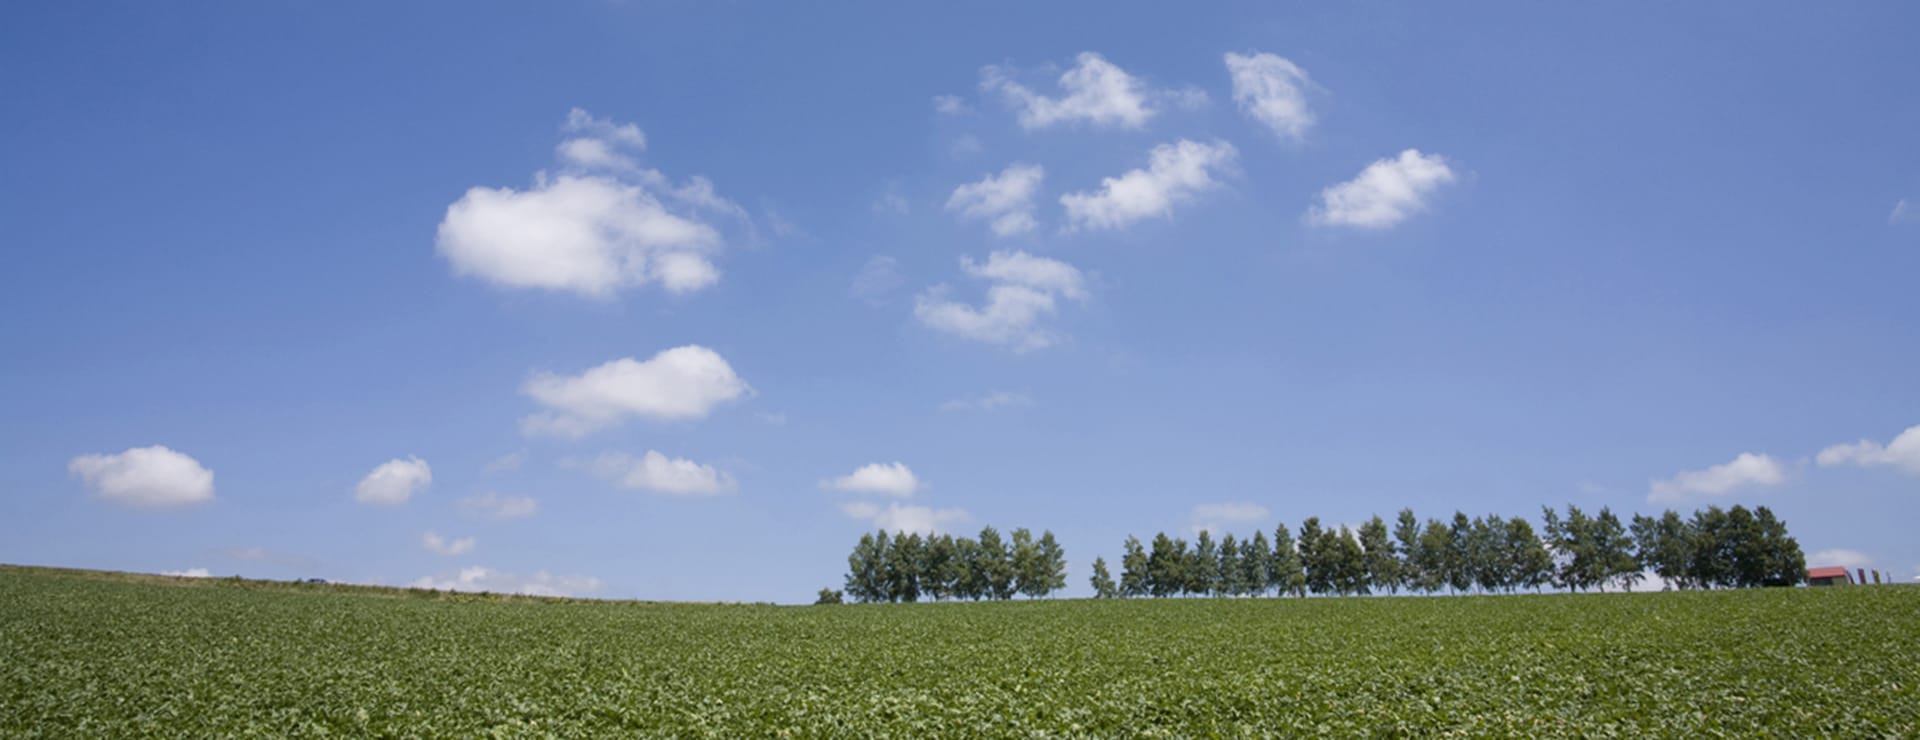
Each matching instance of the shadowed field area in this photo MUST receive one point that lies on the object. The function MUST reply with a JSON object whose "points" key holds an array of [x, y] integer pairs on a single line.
{"points": [[115, 655]]}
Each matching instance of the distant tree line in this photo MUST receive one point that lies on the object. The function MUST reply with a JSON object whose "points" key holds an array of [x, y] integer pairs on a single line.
{"points": [[1716, 548], [909, 567]]}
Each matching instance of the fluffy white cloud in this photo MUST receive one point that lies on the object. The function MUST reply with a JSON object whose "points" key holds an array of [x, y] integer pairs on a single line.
{"points": [[146, 476], [1746, 470], [1094, 91], [1841, 557], [393, 482], [1903, 452], [604, 223], [1272, 90], [541, 583], [680, 383], [950, 105], [1022, 292], [1005, 200], [1175, 173], [890, 479], [443, 546], [1218, 518], [907, 519], [495, 506], [188, 573], [988, 401], [661, 474], [1385, 193]]}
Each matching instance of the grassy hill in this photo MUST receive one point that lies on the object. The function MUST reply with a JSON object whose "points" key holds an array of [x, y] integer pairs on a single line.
{"points": [[114, 655]]}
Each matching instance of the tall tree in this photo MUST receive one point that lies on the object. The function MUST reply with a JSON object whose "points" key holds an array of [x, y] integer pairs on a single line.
{"points": [[865, 581], [1256, 561], [1436, 554], [1406, 533], [903, 568], [1165, 566], [1053, 564], [1133, 569], [1287, 573], [1460, 557], [996, 560], [1383, 567], [1027, 569], [1229, 579], [1613, 547], [1313, 559], [1785, 564], [1103, 587], [1203, 569], [1532, 564], [1346, 565]]}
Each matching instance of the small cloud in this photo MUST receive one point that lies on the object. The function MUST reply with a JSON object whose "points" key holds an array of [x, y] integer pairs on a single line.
{"points": [[965, 145], [1004, 201], [1903, 453], [188, 573], [153, 477], [890, 479], [662, 474], [393, 482], [495, 506], [1385, 193], [1903, 212], [771, 419], [1746, 470], [443, 546], [1023, 290], [1218, 518], [877, 280], [1272, 90], [675, 384], [1094, 92], [1175, 173], [950, 105], [905, 519], [892, 201], [989, 401], [505, 463]]}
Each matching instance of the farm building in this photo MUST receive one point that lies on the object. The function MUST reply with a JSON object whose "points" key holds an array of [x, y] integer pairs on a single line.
{"points": [[1829, 577]]}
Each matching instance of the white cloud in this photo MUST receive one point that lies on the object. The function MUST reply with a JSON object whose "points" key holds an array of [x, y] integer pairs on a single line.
{"points": [[907, 519], [443, 546], [1175, 173], [541, 583], [877, 280], [1746, 470], [393, 482], [1272, 90], [604, 223], [1005, 201], [1841, 557], [188, 573], [1022, 292], [680, 383], [505, 463], [661, 474], [890, 479], [950, 105], [1218, 518], [496, 506], [988, 401], [1903, 452], [1385, 193], [146, 476], [1903, 212], [1095, 91]]}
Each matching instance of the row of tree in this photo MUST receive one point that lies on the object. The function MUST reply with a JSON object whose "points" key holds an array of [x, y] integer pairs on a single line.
{"points": [[1714, 549], [909, 567]]}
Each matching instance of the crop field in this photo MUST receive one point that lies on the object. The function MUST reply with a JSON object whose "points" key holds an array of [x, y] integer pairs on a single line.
{"points": [[114, 655]]}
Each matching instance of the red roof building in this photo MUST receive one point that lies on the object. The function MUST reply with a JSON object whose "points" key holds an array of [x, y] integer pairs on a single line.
{"points": [[1829, 577]]}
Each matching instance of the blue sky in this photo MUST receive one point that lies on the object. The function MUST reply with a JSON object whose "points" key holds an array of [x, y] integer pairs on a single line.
{"points": [[409, 294]]}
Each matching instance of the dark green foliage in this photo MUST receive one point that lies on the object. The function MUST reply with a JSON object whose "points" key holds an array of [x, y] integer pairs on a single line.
{"points": [[906, 567], [1102, 581], [1134, 575], [828, 596]]}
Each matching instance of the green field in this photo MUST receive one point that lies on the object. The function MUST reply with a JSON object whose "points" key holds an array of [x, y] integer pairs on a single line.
{"points": [[116, 655]]}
